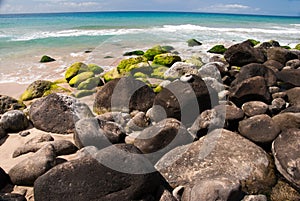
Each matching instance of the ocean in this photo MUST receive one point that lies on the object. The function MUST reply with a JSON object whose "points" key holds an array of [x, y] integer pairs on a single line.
{"points": [[102, 37]]}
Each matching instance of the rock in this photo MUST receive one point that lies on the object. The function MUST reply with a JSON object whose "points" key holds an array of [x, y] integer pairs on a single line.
{"points": [[152, 52], [12, 197], [8, 103], [159, 72], [277, 105], [125, 94], [212, 70], [127, 65], [83, 93], [273, 64], [252, 70], [217, 49], [166, 195], [46, 59], [220, 153], [180, 68], [95, 69], [282, 95], [111, 75], [195, 60], [166, 59], [286, 154], [28, 170], [290, 76], [259, 129], [14, 121], [295, 63], [253, 108], [274, 90], [215, 188], [135, 52], [75, 69], [251, 89], [280, 54], [292, 109], [283, 191], [81, 77], [58, 113], [90, 178], [193, 42], [185, 100], [118, 117], [243, 54], [4, 178], [297, 47], [255, 198], [138, 122], [254, 42], [90, 83], [287, 120], [293, 96], [3, 133], [113, 131], [24, 133]]}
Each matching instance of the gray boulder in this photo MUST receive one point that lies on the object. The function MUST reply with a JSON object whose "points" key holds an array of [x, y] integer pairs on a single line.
{"points": [[58, 113], [221, 153], [180, 68], [286, 154], [253, 108], [14, 121]]}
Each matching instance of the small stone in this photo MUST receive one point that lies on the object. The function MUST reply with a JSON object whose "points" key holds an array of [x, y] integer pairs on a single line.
{"points": [[46, 59], [253, 108], [24, 133], [274, 89], [14, 121], [255, 198], [279, 95], [277, 105]]}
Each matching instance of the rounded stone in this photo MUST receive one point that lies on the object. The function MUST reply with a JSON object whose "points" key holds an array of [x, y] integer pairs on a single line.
{"points": [[253, 108]]}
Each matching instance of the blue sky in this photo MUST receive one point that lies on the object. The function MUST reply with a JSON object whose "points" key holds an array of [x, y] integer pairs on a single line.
{"points": [[263, 7]]}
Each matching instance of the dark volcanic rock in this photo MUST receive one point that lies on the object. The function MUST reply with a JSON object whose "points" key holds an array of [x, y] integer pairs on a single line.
{"points": [[277, 105], [280, 54], [221, 153], [259, 128], [287, 120], [58, 113], [138, 122], [253, 108], [87, 178], [251, 89], [8, 103], [3, 133], [286, 153], [12, 197], [294, 96], [28, 170], [124, 94], [4, 178], [295, 63], [252, 70], [290, 76], [273, 64], [185, 100], [14, 121], [243, 54]]}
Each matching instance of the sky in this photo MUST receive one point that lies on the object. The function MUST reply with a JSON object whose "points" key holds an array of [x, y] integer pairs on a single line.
{"points": [[261, 7]]}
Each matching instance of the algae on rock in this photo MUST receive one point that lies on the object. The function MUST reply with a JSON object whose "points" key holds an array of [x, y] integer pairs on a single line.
{"points": [[76, 80], [75, 69]]}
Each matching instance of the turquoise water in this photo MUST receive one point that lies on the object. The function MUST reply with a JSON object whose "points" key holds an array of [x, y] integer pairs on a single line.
{"points": [[24, 38]]}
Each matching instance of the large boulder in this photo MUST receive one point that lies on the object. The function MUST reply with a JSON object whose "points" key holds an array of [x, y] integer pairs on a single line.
{"points": [[286, 150], [124, 94], [167, 59], [287, 120], [14, 121], [280, 54], [274, 65], [180, 68], [8, 103], [243, 54], [293, 96], [185, 99], [75, 69], [58, 113], [220, 153], [89, 178], [290, 76], [131, 64], [152, 52], [81, 77]]}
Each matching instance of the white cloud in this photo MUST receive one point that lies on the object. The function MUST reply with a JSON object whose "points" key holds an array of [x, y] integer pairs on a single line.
{"points": [[234, 6], [79, 4], [229, 8]]}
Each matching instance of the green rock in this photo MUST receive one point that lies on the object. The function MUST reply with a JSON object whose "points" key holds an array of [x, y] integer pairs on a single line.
{"points": [[297, 47], [75, 81], [89, 84], [111, 75], [140, 75], [83, 93], [286, 47], [217, 49], [166, 59], [95, 68], [254, 42], [127, 65], [193, 42], [159, 72], [75, 69], [60, 81], [195, 60], [152, 52], [158, 89], [46, 59], [167, 48], [136, 52]]}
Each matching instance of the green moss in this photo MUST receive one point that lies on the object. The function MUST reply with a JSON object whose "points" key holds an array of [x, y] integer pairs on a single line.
{"points": [[166, 59], [75, 69], [46, 59], [75, 81], [60, 81], [95, 68], [253, 42], [89, 84], [152, 52], [193, 42], [83, 93], [159, 72], [135, 52], [286, 47], [195, 60], [111, 75], [158, 89], [140, 75], [127, 65], [217, 49], [56, 89], [297, 47]]}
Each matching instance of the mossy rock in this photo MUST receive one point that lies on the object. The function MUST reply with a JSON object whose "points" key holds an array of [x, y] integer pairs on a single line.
{"points": [[140, 75], [75, 81], [83, 93], [135, 52], [168, 48], [142, 67], [166, 59], [41, 88], [75, 69], [254, 42], [193, 42], [90, 83], [152, 52], [159, 72], [297, 47], [195, 60], [111, 75], [286, 47], [158, 89], [95, 68], [217, 49], [46, 59], [126, 65], [60, 81]]}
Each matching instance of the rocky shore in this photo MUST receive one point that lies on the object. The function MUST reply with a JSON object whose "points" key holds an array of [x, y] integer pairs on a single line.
{"points": [[159, 127]]}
